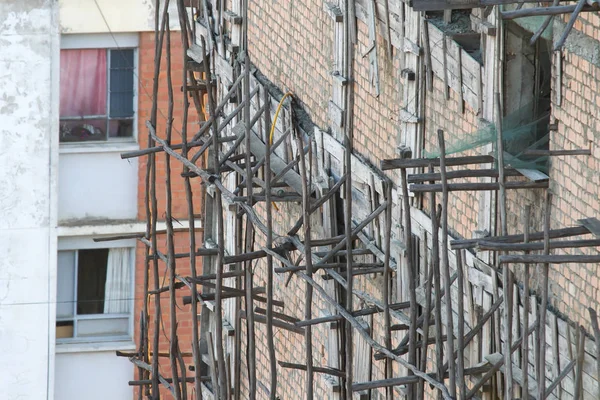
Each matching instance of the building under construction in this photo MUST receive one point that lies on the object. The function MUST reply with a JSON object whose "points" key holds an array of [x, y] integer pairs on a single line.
{"points": [[399, 200]]}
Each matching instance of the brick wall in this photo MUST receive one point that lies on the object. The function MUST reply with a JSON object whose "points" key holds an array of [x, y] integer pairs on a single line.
{"points": [[575, 179], [290, 43]]}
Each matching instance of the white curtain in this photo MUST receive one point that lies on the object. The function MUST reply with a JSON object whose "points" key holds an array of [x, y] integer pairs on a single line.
{"points": [[118, 281]]}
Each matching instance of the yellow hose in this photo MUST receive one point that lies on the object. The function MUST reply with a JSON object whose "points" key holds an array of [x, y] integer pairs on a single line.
{"points": [[288, 94]]}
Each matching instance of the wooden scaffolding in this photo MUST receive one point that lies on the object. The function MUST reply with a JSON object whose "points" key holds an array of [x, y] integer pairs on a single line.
{"points": [[255, 153]]}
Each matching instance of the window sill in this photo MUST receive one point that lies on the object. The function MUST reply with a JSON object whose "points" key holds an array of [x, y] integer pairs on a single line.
{"points": [[98, 147], [125, 345]]}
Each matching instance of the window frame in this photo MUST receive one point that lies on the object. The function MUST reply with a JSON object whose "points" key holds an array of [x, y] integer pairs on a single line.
{"points": [[75, 244], [114, 41]]}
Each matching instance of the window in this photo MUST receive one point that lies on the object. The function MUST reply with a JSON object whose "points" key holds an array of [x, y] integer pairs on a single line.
{"points": [[94, 294], [97, 94], [527, 91]]}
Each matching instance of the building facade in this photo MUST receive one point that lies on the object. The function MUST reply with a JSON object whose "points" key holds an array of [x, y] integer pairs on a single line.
{"points": [[418, 70], [83, 70], [86, 70]]}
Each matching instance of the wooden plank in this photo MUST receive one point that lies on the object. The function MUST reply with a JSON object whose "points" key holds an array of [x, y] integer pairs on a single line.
{"points": [[361, 171], [531, 174], [446, 66], [363, 360], [555, 351], [195, 53], [362, 13], [408, 117], [550, 259], [592, 224], [437, 5], [292, 178], [472, 68], [517, 372], [232, 17], [425, 162], [476, 186], [373, 53], [336, 114], [334, 11], [223, 68], [371, 245]]}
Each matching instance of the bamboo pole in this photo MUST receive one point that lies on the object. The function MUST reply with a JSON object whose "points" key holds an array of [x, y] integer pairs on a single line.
{"points": [[579, 366], [322, 370], [425, 162], [404, 380], [542, 11], [350, 40], [435, 266], [155, 391], [525, 348], [150, 226], [596, 328], [362, 312], [553, 234], [387, 281], [220, 354], [467, 173], [527, 246], [173, 348], [541, 379], [502, 186], [453, 187], [563, 37], [445, 266], [269, 243], [412, 331], [190, 209], [460, 367], [308, 294], [251, 345], [426, 322]]}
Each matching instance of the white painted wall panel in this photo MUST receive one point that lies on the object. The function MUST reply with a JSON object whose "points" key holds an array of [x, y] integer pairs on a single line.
{"points": [[96, 186], [93, 376], [29, 40], [26, 314]]}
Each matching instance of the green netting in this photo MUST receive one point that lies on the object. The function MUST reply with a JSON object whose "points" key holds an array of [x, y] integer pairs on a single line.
{"points": [[519, 133], [525, 127]]}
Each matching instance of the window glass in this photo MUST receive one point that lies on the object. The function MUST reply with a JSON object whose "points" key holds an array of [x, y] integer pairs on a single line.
{"points": [[65, 296], [94, 293], [121, 83], [91, 279], [102, 327], [97, 92], [83, 83]]}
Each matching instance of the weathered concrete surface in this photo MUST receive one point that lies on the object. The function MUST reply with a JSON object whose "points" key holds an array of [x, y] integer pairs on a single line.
{"points": [[28, 145]]}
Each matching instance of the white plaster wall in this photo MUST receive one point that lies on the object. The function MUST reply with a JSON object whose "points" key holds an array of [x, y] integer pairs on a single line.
{"points": [[29, 40], [97, 186], [93, 376], [89, 16]]}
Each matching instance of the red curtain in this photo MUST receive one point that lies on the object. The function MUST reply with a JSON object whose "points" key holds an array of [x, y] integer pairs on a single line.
{"points": [[82, 82]]}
